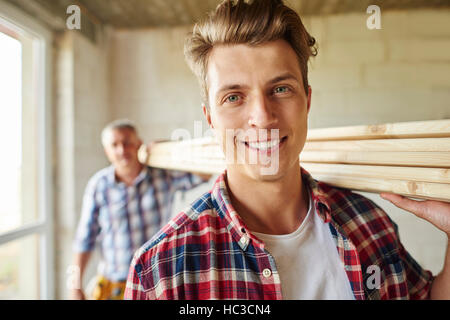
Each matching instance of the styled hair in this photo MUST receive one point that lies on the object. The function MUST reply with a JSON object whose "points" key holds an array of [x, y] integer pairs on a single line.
{"points": [[251, 22], [119, 124]]}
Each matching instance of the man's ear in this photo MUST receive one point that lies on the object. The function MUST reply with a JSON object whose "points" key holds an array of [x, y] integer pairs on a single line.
{"points": [[105, 151], [207, 115], [309, 98]]}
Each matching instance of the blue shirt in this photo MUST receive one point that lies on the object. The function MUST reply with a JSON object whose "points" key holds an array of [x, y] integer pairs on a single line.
{"points": [[122, 218]]}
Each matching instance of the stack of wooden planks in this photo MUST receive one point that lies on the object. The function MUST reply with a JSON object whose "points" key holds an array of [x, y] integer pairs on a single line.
{"points": [[409, 158]]}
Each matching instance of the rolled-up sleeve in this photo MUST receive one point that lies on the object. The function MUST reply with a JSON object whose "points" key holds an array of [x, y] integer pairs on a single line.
{"points": [[88, 226]]}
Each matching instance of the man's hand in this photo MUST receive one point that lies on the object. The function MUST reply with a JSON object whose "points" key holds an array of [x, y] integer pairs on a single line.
{"points": [[77, 294], [80, 261], [435, 212], [438, 213]]}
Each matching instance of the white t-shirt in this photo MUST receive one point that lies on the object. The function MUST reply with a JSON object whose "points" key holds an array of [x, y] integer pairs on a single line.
{"points": [[308, 262]]}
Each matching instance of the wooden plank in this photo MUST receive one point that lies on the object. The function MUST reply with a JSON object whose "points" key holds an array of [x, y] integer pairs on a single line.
{"points": [[418, 129], [436, 175], [391, 145], [411, 159], [205, 166], [369, 183], [425, 190], [416, 145], [212, 149]]}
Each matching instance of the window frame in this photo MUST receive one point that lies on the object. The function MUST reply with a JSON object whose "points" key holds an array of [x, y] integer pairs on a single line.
{"points": [[19, 21]]}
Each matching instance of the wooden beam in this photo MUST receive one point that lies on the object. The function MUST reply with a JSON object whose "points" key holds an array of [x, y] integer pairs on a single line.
{"points": [[410, 159], [382, 145], [423, 190], [435, 175], [418, 129]]}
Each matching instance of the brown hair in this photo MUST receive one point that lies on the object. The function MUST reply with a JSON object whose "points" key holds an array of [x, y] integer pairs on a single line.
{"points": [[250, 22]]}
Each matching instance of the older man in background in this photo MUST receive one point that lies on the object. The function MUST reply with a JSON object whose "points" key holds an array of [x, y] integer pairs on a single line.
{"points": [[124, 205]]}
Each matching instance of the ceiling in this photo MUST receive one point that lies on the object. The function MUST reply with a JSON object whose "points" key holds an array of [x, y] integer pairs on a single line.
{"points": [[132, 14]]}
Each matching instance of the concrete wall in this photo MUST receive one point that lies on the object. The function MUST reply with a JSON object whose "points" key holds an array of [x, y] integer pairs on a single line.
{"points": [[151, 84], [361, 76], [399, 73], [82, 110]]}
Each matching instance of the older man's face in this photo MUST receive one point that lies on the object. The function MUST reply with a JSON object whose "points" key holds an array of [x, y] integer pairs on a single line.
{"points": [[252, 90], [121, 148]]}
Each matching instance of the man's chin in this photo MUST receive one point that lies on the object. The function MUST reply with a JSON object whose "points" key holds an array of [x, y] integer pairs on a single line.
{"points": [[262, 173], [271, 172], [125, 163]]}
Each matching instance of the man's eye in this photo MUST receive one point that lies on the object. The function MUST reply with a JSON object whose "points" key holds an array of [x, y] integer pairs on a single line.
{"points": [[233, 98], [281, 89]]}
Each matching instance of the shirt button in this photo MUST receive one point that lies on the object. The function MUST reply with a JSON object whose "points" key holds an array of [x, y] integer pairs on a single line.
{"points": [[244, 240], [267, 273]]}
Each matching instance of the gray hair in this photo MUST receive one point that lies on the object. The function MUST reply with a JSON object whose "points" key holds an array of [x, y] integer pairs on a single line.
{"points": [[119, 124]]}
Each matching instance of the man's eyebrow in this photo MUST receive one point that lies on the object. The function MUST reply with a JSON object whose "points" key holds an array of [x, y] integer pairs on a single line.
{"points": [[237, 86], [227, 87], [285, 76]]}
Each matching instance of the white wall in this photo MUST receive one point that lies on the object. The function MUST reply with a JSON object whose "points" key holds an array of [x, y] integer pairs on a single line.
{"points": [[399, 73], [82, 110], [151, 83]]}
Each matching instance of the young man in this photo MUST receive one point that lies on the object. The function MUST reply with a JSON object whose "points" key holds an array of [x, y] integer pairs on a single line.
{"points": [[273, 234], [124, 205]]}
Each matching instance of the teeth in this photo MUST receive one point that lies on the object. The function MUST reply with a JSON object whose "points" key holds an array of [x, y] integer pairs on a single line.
{"points": [[264, 145]]}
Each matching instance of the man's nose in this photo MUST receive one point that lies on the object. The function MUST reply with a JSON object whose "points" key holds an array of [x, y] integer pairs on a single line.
{"points": [[120, 149], [262, 113]]}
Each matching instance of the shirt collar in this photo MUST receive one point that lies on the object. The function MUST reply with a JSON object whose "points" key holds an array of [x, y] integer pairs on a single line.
{"points": [[222, 203], [236, 225], [111, 176], [319, 196]]}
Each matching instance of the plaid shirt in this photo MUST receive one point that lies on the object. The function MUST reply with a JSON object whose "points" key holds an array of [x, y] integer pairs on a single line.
{"points": [[207, 252], [124, 218]]}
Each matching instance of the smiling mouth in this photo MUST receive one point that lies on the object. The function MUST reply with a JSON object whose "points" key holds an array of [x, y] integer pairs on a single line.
{"points": [[265, 146]]}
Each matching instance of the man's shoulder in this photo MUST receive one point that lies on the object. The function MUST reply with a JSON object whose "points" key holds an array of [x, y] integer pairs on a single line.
{"points": [[346, 200], [353, 209], [198, 217], [100, 178], [103, 172], [362, 220]]}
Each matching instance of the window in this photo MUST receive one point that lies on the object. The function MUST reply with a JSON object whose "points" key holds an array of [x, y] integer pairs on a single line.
{"points": [[26, 246]]}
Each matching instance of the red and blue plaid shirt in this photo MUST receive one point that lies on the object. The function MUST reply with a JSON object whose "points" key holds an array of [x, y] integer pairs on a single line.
{"points": [[207, 252]]}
